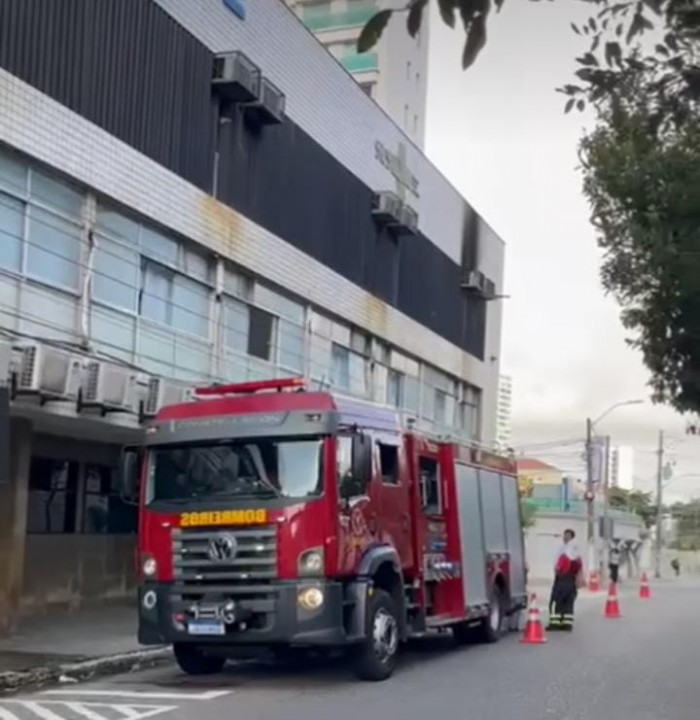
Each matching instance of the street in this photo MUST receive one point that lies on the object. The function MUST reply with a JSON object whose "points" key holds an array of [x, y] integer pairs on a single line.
{"points": [[641, 667]]}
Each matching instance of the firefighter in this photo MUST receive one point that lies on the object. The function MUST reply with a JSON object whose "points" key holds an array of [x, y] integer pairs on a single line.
{"points": [[567, 570], [614, 559]]}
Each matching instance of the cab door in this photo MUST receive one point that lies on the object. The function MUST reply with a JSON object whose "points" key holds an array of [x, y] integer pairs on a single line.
{"points": [[393, 485], [358, 500]]}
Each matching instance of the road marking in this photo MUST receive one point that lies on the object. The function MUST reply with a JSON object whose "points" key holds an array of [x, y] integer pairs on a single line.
{"points": [[84, 710], [207, 695]]}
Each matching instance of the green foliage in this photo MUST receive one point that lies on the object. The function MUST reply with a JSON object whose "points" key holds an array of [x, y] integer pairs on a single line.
{"points": [[528, 512], [634, 501], [687, 517]]}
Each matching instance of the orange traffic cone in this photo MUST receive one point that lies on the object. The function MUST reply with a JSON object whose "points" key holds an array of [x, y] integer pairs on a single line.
{"points": [[594, 581], [534, 630], [612, 606], [644, 590]]}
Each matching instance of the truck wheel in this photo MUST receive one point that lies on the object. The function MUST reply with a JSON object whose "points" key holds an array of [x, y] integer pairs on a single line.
{"points": [[194, 662], [492, 626], [375, 658]]}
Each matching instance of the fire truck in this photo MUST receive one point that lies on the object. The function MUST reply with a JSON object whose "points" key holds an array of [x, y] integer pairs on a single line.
{"points": [[280, 518]]}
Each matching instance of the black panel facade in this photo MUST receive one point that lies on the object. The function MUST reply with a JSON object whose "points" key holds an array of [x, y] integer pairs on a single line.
{"points": [[127, 66]]}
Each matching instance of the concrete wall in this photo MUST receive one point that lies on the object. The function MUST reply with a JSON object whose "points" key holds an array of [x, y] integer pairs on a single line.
{"points": [[70, 571], [542, 540]]}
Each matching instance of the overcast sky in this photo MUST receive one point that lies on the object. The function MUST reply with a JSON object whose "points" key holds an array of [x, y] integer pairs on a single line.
{"points": [[499, 133]]}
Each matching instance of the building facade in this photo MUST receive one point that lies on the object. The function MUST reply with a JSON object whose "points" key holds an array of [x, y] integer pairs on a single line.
{"points": [[198, 192], [622, 467], [394, 73], [504, 411]]}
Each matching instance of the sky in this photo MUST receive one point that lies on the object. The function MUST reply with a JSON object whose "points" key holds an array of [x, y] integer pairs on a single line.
{"points": [[499, 133]]}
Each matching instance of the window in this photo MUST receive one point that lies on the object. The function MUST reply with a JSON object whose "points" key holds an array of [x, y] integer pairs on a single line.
{"points": [[104, 510], [51, 506], [53, 255], [394, 388], [190, 306], [291, 346], [351, 453], [11, 233], [261, 334], [251, 468], [389, 463], [236, 321], [340, 367], [408, 70], [173, 299], [429, 485], [116, 270], [156, 293]]}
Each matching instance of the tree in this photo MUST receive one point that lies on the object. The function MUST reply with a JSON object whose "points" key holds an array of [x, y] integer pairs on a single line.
{"points": [[641, 165], [528, 511], [634, 501]]}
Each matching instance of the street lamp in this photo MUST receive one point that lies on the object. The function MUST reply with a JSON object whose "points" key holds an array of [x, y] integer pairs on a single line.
{"points": [[590, 495]]}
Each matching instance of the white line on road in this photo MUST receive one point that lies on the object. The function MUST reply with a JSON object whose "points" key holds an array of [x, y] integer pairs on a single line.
{"points": [[208, 695], [87, 710]]}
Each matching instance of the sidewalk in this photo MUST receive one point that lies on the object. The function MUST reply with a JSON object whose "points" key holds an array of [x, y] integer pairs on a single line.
{"points": [[73, 645]]}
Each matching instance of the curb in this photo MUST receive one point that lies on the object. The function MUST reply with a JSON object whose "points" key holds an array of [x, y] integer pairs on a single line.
{"points": [[15, 681]]}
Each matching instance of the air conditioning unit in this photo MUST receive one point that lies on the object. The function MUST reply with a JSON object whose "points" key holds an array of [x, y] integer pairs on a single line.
{"points": [[161, 393], [270, 109], [477, 283], [109, 387], [386, 208], [489, 291], [409, 219], [236, 78], [49, 372]]}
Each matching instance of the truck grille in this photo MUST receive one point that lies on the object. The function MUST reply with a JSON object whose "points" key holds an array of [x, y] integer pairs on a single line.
{"points": [[254, 560]]}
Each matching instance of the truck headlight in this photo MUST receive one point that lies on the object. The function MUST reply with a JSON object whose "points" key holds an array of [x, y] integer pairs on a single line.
{"points": [[149, 566], [310, 598], [311, 563]]}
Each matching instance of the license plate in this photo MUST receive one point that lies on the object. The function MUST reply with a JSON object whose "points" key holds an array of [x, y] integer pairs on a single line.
{"points": [[205, 627]]}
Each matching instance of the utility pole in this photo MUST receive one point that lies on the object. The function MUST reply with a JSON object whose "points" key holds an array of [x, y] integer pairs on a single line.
{"points": [[659, 502], [590, 495], [606, 505]]}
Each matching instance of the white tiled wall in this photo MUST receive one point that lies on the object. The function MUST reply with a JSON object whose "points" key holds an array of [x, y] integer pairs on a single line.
{"points": [[325, 101], [40, 127]]}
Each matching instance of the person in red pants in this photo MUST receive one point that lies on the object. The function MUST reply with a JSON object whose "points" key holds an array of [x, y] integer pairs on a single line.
{"points": [[567, 569]]}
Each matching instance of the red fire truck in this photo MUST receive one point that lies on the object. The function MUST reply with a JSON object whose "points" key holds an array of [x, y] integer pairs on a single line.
{"points": [[282, 518]]}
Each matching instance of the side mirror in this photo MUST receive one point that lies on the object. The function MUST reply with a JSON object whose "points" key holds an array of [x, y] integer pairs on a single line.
{"points": [[130, 474], [362, 461]]}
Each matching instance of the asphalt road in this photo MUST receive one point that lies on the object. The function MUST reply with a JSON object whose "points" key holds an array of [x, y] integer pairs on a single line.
{"points": [[644, 666]]}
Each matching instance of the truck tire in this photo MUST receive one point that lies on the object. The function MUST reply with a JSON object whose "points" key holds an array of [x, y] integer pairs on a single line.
{"points": [[375, 659], [491, 628], [193, 661]]}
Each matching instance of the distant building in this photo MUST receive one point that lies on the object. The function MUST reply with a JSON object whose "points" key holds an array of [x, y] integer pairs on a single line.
{"points": [[533, 473], [394, 73], [621, 467], [503, 412]]}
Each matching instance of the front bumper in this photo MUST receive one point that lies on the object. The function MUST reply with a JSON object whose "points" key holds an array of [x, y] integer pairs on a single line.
{"points": [[278, 620]]}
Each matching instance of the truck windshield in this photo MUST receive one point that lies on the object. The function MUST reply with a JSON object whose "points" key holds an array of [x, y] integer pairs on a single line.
{"points": [[245, 468]]}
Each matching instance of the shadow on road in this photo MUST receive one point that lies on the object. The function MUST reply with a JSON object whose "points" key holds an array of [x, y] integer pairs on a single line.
{"points": [[308, 671]]}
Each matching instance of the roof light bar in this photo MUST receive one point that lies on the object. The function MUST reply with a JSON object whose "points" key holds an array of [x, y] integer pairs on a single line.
{"points": [[249, 388]]}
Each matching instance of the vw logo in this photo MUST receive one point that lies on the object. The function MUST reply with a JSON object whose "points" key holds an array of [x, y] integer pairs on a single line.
{"points": [[222, 548]]}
